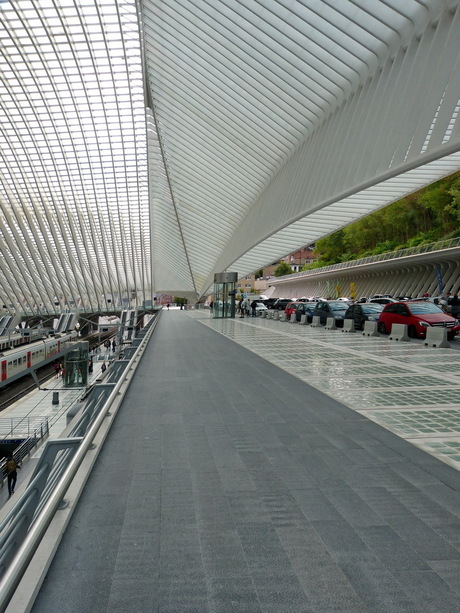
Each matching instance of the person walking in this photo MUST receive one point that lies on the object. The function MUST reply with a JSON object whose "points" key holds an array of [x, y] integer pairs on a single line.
{"points": [[253, 308], [12, 474], [103, 367], [241, 307]]}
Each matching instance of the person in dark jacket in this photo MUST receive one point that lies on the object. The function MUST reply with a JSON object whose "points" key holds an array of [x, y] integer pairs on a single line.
{"points": [[11, 469], [254, 307], [455, 305]]}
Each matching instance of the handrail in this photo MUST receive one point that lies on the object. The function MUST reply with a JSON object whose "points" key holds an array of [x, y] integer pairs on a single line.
{"points": [[382, 257], [16, 569]]}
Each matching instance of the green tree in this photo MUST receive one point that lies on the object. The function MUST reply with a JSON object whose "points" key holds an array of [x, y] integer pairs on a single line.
{"points": [[282, 269]]}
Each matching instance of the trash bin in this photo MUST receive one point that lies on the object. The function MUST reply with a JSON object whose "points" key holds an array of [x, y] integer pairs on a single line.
{"points": [[55, 397]]}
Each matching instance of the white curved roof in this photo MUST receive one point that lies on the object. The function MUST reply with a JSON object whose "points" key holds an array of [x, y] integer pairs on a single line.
{"points": [[146, 145]]}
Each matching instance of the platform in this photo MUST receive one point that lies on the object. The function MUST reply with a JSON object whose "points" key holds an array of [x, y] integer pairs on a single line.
{"points": [[36, 407], [229, 484]]}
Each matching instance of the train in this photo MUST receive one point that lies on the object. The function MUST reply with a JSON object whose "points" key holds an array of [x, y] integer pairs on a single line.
{"points": [[21, 336], [17, 361]]}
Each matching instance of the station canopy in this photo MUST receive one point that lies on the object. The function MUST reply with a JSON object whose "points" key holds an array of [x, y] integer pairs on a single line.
{"points": [[147, 144]]}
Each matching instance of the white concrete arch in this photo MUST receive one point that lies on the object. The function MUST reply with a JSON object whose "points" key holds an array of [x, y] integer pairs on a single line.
{"points": [[147, 144]]}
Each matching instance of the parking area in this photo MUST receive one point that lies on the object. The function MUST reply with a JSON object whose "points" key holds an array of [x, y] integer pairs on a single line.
{"points": [[409, 388]]}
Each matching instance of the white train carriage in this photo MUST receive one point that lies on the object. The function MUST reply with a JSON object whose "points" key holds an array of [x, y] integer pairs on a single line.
{"points": [[22, 336], [16, 362]]}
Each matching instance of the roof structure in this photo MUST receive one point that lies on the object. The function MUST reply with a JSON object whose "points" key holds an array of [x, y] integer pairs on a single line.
{"points": [[146, 145]]}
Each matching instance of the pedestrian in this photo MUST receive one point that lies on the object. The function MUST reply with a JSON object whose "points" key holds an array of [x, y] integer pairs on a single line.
{"points": [[90, 366], [114, 345], [11, 469], [253, 308], [167, 306], [241, 307], [103, 367], [57, 370], [455, 305]]}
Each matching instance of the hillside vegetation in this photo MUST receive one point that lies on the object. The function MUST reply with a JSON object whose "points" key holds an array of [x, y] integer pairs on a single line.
{"points": [[431, 214]]}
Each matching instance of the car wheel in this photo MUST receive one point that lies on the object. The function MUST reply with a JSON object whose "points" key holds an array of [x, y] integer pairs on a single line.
{"points": [[412, 332], [382, 328]]}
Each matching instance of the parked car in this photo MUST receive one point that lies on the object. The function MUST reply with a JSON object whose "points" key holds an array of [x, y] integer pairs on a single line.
{"points": [[418, 316], [260, 307], [290, 308], [281, 303], [383, 300], [269, 302], [363, 312], [331, 308], [305, 308]]}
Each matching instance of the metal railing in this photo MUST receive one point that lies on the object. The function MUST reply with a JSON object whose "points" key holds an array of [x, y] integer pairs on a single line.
{"points": [[382, 257], [25, 525], [21, 427], [34, 437]]}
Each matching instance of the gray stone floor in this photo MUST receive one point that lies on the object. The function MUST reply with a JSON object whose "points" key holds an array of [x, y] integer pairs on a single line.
{"points": [[229, 485]]}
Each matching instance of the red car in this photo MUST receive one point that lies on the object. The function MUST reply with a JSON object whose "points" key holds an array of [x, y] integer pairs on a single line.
{"points": [[418, 316], [291, 308]]}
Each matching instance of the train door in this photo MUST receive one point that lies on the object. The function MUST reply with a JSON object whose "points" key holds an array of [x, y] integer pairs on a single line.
{"points": [[29, 359], [3, 370]]}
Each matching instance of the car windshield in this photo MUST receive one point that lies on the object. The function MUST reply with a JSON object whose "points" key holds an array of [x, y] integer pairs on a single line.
{"points": [[372, 308], [423, 308], [338, 306]]}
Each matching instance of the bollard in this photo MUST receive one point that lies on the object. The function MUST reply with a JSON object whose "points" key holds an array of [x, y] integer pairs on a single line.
{"points": [[371, 328], [399, 333], [55, 398], [330, 324], [348, 325], [436, 337]]}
